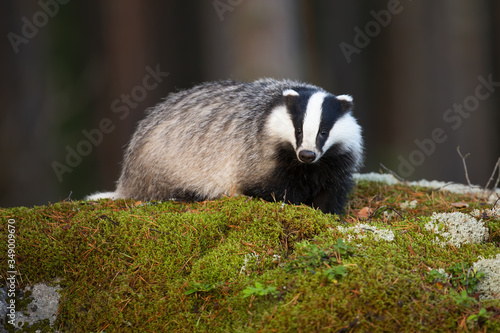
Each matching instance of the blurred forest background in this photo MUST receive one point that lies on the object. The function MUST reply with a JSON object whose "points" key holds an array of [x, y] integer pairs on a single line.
{"points": [[78, 75]]}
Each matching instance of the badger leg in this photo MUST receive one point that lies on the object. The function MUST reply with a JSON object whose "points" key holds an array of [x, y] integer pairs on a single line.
{"points": [[332, 200]]}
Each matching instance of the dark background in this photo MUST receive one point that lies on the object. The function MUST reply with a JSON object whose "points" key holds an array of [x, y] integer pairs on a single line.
{"points": [[63, 66]]}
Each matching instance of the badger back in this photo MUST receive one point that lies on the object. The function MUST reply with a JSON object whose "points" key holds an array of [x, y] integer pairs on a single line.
{"points": [[196, 143]]}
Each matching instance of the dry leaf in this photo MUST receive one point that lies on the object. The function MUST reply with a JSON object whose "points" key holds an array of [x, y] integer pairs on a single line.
{"points": [[364, 213]]}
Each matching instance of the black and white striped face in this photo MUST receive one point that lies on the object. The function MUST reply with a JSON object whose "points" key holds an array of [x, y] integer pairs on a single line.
{"points": [[313, 121]]}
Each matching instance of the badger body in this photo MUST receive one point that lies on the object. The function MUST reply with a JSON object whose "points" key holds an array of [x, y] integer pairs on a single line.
{"points": [[273, 139]]}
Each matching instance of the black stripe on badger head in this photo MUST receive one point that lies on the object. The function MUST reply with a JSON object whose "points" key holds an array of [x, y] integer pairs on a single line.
{"points": [[296, 105], [332, 109]]}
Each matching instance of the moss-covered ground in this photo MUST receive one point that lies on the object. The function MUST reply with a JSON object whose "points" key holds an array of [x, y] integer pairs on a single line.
{"points": [[244, 265]]}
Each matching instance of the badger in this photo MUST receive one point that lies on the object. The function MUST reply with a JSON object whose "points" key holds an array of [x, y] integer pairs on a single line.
{"points": [[271, 139]]}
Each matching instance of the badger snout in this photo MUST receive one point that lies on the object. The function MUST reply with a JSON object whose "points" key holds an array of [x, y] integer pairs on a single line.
{"points": [[307, 156]]}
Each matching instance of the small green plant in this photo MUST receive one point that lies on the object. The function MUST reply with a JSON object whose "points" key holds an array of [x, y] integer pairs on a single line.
{"points": [[195, 287], [343, 248], [258, 290], [333, 273], [310, 260], [463, 298], [314, 257], [480, 318], [435, 276], [463, 275]]}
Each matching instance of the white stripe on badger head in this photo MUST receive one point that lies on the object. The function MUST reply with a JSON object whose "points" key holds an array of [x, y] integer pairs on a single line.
{"points": [[346, 132], [311, 123], [279, 125]]}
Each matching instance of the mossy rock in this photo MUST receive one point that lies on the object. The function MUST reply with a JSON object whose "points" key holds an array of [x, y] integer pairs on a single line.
{"points": [[133, 266]]}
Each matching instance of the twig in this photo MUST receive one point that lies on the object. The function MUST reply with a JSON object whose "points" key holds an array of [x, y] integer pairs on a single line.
{"points": [[69, 196], [384, 207], [467, 282], [109, 219], [401, 179], [493, 175], [160, 232], [465, 165], [441, 187], [498, 182], [494, 205], [284, 201]]}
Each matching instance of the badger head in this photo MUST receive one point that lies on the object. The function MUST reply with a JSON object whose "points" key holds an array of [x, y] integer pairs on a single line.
{"points": [[314, 121]]}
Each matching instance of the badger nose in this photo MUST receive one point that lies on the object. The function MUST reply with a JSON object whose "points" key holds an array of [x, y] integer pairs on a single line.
{"points": [[307, 156]]}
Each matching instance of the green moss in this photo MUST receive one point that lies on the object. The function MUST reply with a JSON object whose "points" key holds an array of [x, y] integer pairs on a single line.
{"points": [[126, 265]]}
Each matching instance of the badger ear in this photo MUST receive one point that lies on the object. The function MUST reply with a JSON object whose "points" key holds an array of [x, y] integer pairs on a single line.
{"points": [[346, 102], [290, 96], [290, 92]]}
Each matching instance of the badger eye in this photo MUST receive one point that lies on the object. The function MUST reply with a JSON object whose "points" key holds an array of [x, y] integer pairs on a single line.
{"points": [[323, 131]]}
